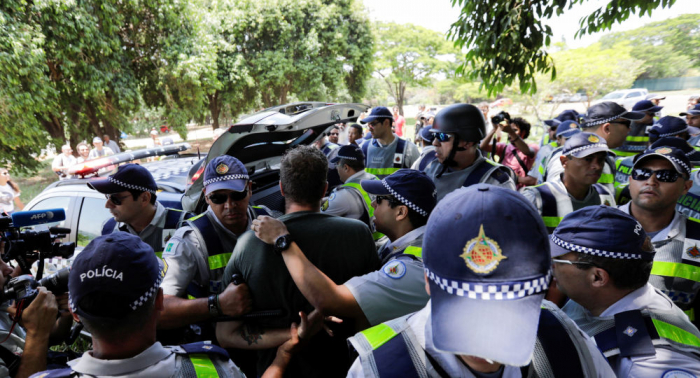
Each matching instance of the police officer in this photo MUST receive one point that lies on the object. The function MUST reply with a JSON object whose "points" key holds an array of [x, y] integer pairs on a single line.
{"points": [[660, 176], [602, 259], [386, 153], [325, 146], [403, 203], [609, 121], [583, 158], [564, 131], [553, 125], [198, 253], [115, 292], [131, 198], [458, 129], [637, 139], [486, 312], [350, 200], [427, 154]]}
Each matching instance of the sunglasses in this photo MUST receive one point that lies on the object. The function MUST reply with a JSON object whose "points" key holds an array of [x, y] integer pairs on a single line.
{"points": [[568, 262], [442, 137], [115, 199], [220, 198], [392, 200], [663, 175]]}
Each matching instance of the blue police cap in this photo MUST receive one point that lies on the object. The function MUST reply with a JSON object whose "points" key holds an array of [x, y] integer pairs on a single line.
{"points": [[566, 115], [675, 156], [584, 144], [427, 135], [225, 172], [567, 129], [667, 126], [606, 112], [349, 152], [486, 255], [127, 177], [646, 106], [683, 145], [119, 265], [412, 188], [603, 231], [695, 110], [380, 112]]}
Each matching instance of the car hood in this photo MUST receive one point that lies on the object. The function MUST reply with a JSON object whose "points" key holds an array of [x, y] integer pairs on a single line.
{"points": [[260, 140]]}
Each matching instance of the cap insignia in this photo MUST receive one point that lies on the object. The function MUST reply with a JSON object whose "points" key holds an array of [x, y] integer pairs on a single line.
{"points": [[693, 251], [222, 169], [482, 254], [664, 150], [573, 126], [606, 203], [593, 139]]}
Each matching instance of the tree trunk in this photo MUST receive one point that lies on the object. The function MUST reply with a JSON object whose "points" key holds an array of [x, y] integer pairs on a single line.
{"points": [[92, 118], [215, 109]]}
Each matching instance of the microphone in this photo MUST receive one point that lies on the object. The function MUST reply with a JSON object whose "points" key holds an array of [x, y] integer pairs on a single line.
{"points": [[36, 217]]}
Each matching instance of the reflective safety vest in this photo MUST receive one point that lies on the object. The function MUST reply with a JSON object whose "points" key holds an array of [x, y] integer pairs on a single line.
{"points": [[329, 147], [676, 269], [488, 168], [635, 143], [217, 256], [368, 215], [623, 171], [607, 178], [392, 349], [399, 156], [173, 220], [556, 205]]}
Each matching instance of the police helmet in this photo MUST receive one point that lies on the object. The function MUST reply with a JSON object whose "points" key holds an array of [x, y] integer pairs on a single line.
{"points": [[464, 120]]}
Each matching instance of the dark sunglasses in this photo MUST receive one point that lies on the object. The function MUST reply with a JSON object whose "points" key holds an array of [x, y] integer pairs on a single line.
{"points": [[391, 200], [220, 198], [116, 200], [442, 137], [663, 175]]}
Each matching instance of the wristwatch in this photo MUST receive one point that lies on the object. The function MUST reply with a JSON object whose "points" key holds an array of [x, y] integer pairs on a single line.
{"points": [[282, 243]]}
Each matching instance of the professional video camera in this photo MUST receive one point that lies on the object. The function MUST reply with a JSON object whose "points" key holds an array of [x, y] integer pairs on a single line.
{"points": [[26, 245], [500, 117], [25, 287]]}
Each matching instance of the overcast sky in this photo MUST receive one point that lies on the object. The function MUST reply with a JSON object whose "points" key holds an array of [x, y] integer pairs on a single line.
{"points": [[438, 15]]}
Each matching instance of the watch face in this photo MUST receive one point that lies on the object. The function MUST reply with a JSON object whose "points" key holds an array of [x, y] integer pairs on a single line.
{"points": [[281, 243]]}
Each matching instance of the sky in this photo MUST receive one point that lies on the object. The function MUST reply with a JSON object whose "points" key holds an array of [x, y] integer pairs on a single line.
{"points": [[438, 15]]}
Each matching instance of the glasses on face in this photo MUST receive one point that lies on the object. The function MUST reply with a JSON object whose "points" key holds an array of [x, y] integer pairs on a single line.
{"points": [[442, 137], [220, 198], [116, 199], [663, 175], [569, 262], [390, 199]]}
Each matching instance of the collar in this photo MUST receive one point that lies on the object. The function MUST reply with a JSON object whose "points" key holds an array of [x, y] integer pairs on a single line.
{"points": [[220, 226], [672, 230], [643, 298], [401, 243], [157, 221], [376, 143], [90, 365], [560, 187], [479, 158], [357, 177]]}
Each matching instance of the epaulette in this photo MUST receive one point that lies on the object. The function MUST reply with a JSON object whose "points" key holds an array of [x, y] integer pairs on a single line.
{"points": [[501, 175], [56, 373], [203, 347]]}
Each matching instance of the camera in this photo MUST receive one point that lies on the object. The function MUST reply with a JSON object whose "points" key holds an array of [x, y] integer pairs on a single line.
{"points": [[500, 117], [25, 287]]}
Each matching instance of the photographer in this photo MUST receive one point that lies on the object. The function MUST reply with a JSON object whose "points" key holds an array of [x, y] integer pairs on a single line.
{"points": [[516, 155], [25, 344]]}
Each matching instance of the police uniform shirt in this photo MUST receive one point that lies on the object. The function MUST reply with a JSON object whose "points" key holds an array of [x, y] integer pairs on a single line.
{"points": [[540, 163], [533, 195], [380, 156], [426, 150], [14, 343], [397, 289], [346, 202], [155, 362], [672, 230], [666, 360], [421, 326], [187, 260], [150, 234], [452, 180], [689, 204]]}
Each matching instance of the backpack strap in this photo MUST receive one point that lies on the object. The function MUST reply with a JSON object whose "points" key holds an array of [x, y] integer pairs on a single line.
{"points": [[559, 349], [399, 155], [365, 148], [478, 172], [550, 214], [427, 159]]}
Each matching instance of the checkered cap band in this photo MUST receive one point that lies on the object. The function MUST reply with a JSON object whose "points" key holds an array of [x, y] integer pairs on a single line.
{"points": [[596, 252], [681, 163], [502, 291], [130, 186], [673, 133], [346, 157], [135, 304], [404, 200], [579, 149], [226, 178], [586, 125]]}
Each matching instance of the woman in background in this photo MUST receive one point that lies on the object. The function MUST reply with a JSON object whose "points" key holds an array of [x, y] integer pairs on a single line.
{"points": [[9, 193]]}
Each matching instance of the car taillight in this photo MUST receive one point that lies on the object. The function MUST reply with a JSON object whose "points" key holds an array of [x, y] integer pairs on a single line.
{"points": [[196, 175]]}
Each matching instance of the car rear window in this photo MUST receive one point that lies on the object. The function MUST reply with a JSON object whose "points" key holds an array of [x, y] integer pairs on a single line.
{"points": [[93, 215]]}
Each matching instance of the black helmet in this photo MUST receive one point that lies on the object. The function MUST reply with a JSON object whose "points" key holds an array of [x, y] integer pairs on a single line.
{"points": [[465, 120]]}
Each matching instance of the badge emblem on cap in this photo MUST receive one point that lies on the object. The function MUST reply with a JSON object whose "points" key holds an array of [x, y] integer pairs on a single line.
{"points": [[573, 126], [222, 169], [664, 151], [593, 139], [482, 254], [693, 251]]}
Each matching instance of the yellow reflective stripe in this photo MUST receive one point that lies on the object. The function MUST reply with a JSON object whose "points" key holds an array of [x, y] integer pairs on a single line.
{"points": [[219, 261], [669, 269], [159, 254], [197, 216], [378, 335], [190, 297], [637, 138], [414, 251], [606, 178], [364, 195], [203, 366], [541, 169], [691, 314], [671, 332], [381, 171], [554, 144], [377, 235], [624, 153], [617, 163], [551, 221]]}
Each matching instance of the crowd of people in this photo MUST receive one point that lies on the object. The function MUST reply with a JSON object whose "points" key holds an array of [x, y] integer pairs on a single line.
{"points": [[466, 257], [102, 147]]}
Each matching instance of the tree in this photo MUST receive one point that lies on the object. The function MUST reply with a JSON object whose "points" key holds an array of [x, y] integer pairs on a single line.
{"points": [[506, 38], [408, 55]]}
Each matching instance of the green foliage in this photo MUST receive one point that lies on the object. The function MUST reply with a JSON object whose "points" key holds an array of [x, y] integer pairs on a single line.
{"points": [[505, 38], [408, 55]]}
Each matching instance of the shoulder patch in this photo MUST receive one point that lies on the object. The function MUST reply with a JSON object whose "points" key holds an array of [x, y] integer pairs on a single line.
{"points": [[394, 269], [677, 373], [171, 247], [324, 207]]}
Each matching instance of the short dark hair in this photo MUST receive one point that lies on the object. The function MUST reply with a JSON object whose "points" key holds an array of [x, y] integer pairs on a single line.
{"points": [[356, 165], [414, 217], [357, 127], [136, 193], [112, 322], [624, 273], [304, 174], [523, 125]]}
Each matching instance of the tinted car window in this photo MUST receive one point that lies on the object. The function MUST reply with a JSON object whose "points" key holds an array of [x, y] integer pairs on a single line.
{"points": [[54, 203], [634, 94], [93, 214]]}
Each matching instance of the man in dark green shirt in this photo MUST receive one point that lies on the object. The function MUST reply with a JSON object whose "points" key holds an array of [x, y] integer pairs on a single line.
{"points": [[341, 248]]}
